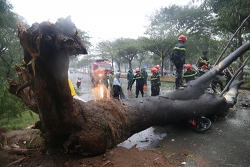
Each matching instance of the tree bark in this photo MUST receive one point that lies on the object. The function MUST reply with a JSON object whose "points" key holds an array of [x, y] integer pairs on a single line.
{"points": [[92, 127]]}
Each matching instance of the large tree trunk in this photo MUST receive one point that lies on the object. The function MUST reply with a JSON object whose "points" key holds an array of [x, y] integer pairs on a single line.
{"points": [[92, 127]]}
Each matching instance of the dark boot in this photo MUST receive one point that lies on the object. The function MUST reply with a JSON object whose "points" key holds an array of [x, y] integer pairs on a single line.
{"points": [[178, 83]]}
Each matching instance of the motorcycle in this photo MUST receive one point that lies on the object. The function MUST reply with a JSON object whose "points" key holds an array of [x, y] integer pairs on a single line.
{"points": [[78, 82], [200, 124]]}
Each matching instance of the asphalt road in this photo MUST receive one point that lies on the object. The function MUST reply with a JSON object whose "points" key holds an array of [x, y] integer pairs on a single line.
{"points": [[227, 144]]}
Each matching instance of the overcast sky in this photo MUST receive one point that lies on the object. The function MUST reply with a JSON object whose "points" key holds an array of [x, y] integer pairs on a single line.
{"points": [[102, 19]]}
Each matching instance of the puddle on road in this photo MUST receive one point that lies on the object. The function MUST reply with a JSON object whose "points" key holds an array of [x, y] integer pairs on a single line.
{"points": [[148, 138]]}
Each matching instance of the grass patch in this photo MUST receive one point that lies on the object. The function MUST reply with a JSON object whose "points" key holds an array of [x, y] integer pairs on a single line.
{"points": [[20, 121]]}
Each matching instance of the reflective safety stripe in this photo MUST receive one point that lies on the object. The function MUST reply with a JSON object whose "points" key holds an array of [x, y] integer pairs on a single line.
{"points": [[207, 61], [191, 75], [177, 48]]}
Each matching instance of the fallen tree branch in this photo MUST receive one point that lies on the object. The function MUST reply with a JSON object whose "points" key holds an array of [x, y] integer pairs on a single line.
{"points": [[234, 76]]}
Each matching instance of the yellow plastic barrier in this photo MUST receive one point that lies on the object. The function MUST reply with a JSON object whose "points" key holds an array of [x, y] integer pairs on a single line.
{"points": [[72, 89]]}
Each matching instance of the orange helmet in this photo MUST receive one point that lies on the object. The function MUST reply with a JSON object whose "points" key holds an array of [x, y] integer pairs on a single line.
{"points": [[157, 67], [188, 66], [153, 70], [204, 67], [144, 87], [137, 70], [182, 38]]}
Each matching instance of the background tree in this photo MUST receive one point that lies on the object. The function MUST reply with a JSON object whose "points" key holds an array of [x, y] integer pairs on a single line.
{"points": [[229, 16], [179, 19], [85, 38], [142, 57], [128, 49], [107, 50], [9, 43], [10, 54], [160, 45]]}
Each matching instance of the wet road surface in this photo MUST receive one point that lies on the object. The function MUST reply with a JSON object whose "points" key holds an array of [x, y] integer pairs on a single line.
{"points": [[226, 144]]}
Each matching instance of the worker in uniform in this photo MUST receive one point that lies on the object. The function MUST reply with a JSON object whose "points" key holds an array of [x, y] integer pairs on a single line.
{"points": [[155, 82], [178, 58], [139, 83], [203, 62], [189, 74], [158, 75], [158, 69]]}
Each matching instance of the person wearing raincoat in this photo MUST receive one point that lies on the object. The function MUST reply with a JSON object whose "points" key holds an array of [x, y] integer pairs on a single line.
{"points": [[72, 89], [117, 86]]}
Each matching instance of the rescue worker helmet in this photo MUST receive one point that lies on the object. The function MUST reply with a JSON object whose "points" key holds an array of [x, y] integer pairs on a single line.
{"points": [[188, 66], [204, 67], [153, 70], [182, 38], [137, 70], [157, 67]]}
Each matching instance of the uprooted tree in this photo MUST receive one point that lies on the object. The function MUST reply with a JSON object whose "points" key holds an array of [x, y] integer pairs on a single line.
{"points": [[92, 127]]}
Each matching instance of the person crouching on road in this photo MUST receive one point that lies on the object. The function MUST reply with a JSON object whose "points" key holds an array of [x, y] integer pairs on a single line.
{"points": [[117, 86], [155, 83], [139, 83], [189, 74]]}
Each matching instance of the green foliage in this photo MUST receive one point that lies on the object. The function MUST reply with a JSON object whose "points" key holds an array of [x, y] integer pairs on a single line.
{"points": [[85, 38], [5, 8], [10, 104], [10, 49], [84, 62], [127, 49], [20, 121], [229, 16], [246, 76], [13, 113], [178, 19]]}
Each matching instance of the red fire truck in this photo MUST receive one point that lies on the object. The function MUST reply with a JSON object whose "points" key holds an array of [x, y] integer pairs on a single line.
{"points": [[97, 70]]}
